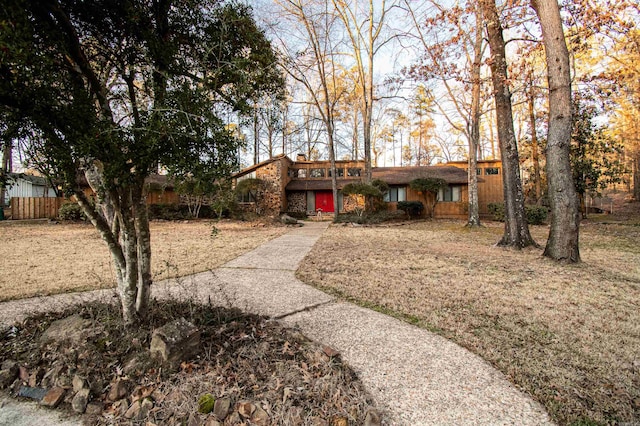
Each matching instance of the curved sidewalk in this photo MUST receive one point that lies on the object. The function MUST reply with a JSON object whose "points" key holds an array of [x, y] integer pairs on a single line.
{"points": [[415, 376]]}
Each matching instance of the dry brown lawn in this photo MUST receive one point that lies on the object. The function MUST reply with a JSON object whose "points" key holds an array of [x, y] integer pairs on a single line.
{"points": [[42, 258], [567, 335]]}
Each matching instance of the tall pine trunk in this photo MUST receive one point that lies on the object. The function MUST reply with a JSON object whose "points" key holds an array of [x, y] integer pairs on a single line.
{"points": [[516, 230], [562, 244]]}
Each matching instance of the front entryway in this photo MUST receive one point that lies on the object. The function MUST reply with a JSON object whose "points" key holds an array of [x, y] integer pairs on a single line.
{"points": [[324, 201]]}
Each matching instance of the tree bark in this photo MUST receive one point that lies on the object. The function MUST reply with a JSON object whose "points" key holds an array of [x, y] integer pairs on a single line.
{"points": [[562, 244], [474, 131], [535, 157], [516, 230]]}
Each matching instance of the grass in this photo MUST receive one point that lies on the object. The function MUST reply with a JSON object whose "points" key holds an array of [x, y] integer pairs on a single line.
{"points": [[567, 335], [43, 258]]}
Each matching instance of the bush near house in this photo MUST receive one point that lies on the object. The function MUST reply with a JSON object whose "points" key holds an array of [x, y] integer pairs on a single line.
{"points": [[413, 209], [536, 215]]}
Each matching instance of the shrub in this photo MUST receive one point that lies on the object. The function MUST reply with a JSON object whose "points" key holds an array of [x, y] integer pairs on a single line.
{"points": [[71, 211], [536, 215], [412, 209]]}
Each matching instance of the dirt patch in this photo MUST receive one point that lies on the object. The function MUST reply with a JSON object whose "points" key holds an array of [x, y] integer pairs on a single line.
{"points": [[44, 258], [255, 365], [568, 335]]}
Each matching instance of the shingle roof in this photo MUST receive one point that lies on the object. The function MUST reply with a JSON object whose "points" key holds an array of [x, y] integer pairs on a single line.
{"points": [[404, 175]]}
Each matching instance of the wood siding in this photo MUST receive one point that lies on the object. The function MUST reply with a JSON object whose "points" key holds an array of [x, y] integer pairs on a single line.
{"points": [[35, 208]]}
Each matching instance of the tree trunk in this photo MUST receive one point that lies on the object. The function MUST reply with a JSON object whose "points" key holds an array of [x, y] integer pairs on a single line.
{"points": [[516, 230], [7, 167], [535, 157], [562, 244], [474, 133], [636, 177]]}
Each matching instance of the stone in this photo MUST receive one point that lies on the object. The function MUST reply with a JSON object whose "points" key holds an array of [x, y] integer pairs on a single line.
{"points": [[78, 383], [233, 419], [35, 377], [176, 341], [221, 408], [330, 352], [145, 408], [288, 220], [118, 390], [133, 365], [212, 421], [133, 411], [23, 374], [94, 408], [120, 407], [340, 421], [260, 417], [32, 393], [246, 409], [372, 419], [74, 329], [80, 401], [53, 397]]}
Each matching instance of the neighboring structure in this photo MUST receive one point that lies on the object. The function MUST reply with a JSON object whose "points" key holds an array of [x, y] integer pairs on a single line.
{"points": [[26, 186], [305, 186]]}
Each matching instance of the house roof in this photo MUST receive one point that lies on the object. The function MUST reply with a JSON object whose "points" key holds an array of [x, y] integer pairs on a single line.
{"points": [[404, 175], [257, 166], [35, 180]]}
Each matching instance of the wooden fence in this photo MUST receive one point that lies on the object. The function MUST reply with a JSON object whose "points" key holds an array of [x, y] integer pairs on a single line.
{"points": [[35, 208]]}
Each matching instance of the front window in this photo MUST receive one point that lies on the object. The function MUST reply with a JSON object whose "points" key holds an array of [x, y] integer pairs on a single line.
{"points": [[354, 172], [450, 194], [395, 194], [492, 171], [339, 172], [316, 173], [247, 197]]}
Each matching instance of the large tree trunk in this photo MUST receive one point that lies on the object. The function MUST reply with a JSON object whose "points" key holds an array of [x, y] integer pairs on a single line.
{"points": [[516, 230], [562, 244], [122, 221]]}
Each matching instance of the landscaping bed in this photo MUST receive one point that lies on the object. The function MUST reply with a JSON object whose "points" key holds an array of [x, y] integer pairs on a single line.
{"points": [[245, 370]]}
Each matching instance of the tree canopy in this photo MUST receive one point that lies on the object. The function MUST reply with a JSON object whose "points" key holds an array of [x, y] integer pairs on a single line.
{"points": [[111, 90]]}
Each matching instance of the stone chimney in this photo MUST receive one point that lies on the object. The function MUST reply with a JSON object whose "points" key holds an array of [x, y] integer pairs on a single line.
{"points": [[301, 157]]}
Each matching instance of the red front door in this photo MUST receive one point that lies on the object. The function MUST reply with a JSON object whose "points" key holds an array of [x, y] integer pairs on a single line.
{"points": [[324, 201]]}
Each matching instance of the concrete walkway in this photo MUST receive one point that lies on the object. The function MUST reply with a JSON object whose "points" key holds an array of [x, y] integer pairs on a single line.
{"points": [[416, 377]]}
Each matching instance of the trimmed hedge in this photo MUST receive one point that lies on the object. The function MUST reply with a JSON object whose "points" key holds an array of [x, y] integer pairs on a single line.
{"points": [[536, 215]]}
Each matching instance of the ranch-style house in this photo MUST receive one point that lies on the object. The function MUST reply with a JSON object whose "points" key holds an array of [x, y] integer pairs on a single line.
{"points": [[304, 186]]}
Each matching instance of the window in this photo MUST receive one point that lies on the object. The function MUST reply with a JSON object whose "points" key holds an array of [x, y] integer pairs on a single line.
{"points": [[450, 194], [492, 171], [354, 171], [299, 173], [395, 194], [339, 172], [316, 173], [246, 198]]}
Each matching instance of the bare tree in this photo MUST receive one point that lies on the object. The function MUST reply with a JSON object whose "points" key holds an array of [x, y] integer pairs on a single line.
{"points": [[516, 229], [313, 65], [562, 244], [365, 30]]}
